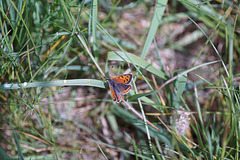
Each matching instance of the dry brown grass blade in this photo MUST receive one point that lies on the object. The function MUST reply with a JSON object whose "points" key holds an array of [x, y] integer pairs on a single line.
{"points": [[35, 137]]}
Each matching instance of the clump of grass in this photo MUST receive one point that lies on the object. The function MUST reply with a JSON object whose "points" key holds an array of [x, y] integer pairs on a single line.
{"points": [[55, 103]]}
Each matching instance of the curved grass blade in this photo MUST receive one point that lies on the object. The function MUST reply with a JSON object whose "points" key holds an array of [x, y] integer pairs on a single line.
{"points": [[75, 82], [120, 56], [158, 13], [180, 86], [185, 72], [136, 96]]}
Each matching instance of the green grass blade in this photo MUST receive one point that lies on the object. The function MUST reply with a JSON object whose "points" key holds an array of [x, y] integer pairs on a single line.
{"points": [[94, 19], [119, 148], [160, 7], [104, 155], [120, 56], [17, 142], [180, 87], [75, 82], [225, 68], [4, 155]]}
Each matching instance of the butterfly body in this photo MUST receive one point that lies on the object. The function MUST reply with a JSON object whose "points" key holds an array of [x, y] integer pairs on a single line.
{"points": [[119, 86]]}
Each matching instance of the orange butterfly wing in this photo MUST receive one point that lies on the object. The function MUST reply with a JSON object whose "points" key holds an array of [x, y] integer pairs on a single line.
{"points": [[119, 99], [116, 97], [125, 78], [119, 86], [113, 93], [126, 89]]}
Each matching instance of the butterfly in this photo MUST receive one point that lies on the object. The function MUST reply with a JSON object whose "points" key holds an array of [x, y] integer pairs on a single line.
{"points": [[119, 86]]}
